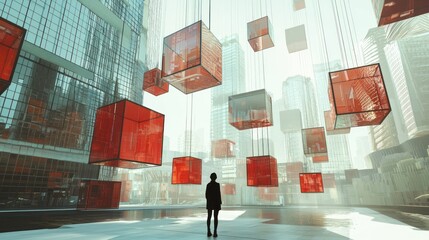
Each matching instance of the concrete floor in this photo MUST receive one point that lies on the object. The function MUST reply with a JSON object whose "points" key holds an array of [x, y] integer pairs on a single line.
{"points": [[328, 223]]}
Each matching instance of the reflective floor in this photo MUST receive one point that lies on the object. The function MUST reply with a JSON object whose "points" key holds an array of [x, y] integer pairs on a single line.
{"points": [[328, 223]]}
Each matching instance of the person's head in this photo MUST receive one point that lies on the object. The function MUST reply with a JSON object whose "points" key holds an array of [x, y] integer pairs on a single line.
{"points": [[213, 176]]}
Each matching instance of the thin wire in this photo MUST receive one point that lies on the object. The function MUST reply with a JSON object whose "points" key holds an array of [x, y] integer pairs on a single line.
{"points": [[339, 32], [352, 37], [210, 15], [190, 136], [323, 34]]}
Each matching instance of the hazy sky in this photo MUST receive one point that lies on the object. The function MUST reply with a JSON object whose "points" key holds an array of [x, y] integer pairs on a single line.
{"points": [[230, 17]]}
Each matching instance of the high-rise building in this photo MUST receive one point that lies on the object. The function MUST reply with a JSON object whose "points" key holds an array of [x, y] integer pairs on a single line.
{"points": [[76, 57]]}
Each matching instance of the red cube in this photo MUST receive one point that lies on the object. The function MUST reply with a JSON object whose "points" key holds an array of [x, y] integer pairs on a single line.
{"points": [[192, 59], [153, 83], [394, 11], [262, 171], [95, 194], [358, 97], [228, 188], [223, 148], [11, 40], [127, 135], [320, 158], [311, 182], [186, 170], [259, 34], [314, 141]]}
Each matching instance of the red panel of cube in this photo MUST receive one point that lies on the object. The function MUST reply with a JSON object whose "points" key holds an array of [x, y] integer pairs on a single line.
{"points": [[127, 135], [186, 170], [223, 148], [228, 188], [320, 158], [11, 40], [153, 83], [262, 171], [94, 194], [329, 124], [250, 110], [311, 182], [259, 34], [395, 11], [358, 97], [314, 141], [192, 59]]}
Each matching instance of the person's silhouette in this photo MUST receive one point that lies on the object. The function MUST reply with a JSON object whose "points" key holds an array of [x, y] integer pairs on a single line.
{"points": [[213, 203]]}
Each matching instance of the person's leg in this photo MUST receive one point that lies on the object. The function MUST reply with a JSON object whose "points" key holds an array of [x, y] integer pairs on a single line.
{"points": [[216, 213], [209, 218]]}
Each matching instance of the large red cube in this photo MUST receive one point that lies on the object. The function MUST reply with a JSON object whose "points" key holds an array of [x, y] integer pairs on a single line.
{"points": [[311, 182], [192, 59], [223, 148], [262, 171], [127, 135], [314, 141], [329, 124], [358, 97], [394, 11], [186, 170], [11, 40], [95, 194], [153, 83], [260, 34], [250, 110]]}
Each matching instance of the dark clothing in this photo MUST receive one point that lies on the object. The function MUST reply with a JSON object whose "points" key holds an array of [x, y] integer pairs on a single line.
{"points": [[213, 196]]}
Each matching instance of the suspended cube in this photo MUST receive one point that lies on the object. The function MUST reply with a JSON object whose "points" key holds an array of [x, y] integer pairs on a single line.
{"points": [[268, 193], [260, 34], [192, 59], [311, 182], [329, 180], [329, 124], [295, 39], [320, 158], [350, 174], [298, 5], [223, 148], [290, 121], [250, 110], [186, 170], [11, 40], [95, 194], [358, 97], [314, 141], [292, 171], [228, 188], [127, 135], [394, 11], [153, 83], [262, 171]]}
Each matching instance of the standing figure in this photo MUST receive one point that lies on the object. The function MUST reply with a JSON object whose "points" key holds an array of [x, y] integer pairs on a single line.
{"points": [[213, 203]]}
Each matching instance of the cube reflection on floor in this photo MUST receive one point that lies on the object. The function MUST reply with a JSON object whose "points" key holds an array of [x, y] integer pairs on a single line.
{"points": [[314, 142], [358, 97], [260, 34], [262, 171], [11, 40], [127, 135], [192, 59], [311, 182], [250, 110], [186, 170], [153, 83]]}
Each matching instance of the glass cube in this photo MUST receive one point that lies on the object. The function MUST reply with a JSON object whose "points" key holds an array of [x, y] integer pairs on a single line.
{"points": [[153, 83], [262, 171], [250, 110], [95, 194], [329, 124], [320, 158], [290, 121], [127, 135], [295, 39], [358, 97], [292, 171], [186, 170], [223, 148], [394, 11], [329, 180], [260, 34], [350, 174], [298, 5], [314, 141], [192, 59], [228, 188], [311, 182], [11, 40]]}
